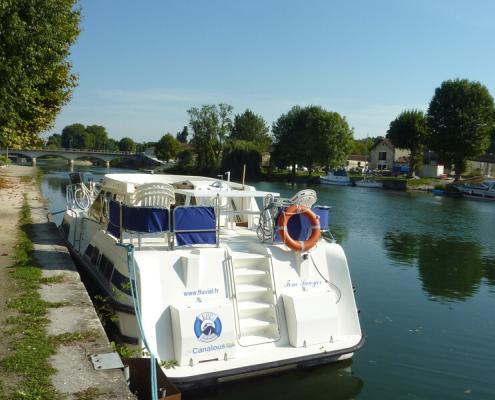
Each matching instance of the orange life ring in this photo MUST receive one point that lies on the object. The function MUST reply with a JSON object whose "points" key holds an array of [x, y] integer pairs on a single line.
{"points": [[283, 220]]}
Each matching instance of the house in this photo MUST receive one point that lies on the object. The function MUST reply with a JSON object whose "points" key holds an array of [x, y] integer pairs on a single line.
{"points": [[356, 162], [384, 156], [485, 164]]}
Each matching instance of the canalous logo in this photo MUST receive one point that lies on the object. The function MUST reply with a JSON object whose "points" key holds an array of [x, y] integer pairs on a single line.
{"points": [[207, 327]]}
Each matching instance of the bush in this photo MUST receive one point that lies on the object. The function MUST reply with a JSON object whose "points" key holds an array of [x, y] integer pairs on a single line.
{"points": [[238, 153], [4, 160]]}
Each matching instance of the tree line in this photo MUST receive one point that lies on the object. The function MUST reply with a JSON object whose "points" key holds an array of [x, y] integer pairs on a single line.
{"points": [[458, 125]]}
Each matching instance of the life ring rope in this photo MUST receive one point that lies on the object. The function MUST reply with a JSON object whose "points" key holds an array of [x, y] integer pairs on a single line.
{"points": [[282, 223]]}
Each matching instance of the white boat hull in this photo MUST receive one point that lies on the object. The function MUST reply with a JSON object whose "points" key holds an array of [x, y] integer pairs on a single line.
{"points": [[218, 312]]}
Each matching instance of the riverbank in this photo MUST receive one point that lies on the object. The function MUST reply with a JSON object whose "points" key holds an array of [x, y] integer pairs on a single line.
{"points": [[50, 325]]}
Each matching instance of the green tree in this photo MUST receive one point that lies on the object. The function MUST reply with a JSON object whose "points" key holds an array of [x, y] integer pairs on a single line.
{"points": [[461, 116], [75, 137], [251, 127], [410, 131], [127, 144], [168, 147], [210, 125], [54, 141], [182, 135], [362, 146], [185, 159], [311, 136], [491, 149], [112, 145], [99, 136], [238, 153], [35, 74]]}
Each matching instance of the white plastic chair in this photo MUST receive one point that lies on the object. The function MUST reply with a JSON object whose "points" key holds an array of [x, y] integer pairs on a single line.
{"points": [[154, 195]]}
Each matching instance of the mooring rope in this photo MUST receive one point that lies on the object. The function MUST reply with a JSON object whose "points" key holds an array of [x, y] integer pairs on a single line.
{"points": [[137, 310]]}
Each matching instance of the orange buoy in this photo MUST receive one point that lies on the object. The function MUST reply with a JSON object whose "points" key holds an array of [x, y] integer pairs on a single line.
{"points": [[283, 232]]}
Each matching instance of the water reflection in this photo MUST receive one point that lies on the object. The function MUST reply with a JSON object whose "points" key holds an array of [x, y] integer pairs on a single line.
{"points": [[450, 268], [331, 382]]}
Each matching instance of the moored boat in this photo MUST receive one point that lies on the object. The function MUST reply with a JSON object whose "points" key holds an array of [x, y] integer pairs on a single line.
{"points": [[482, 191], [369, 183], [338, 177], [221, 287]]}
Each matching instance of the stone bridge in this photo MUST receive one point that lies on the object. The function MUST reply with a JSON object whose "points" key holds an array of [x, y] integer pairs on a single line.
{"points": [[74, 154]]}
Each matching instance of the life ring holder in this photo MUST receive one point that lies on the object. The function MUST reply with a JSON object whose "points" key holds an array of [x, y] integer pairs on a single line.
{"points": [[283, 232]]}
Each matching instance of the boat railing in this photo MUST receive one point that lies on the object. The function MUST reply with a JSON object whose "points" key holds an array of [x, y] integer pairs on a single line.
{"points": [[80, 196], [182, 225]]}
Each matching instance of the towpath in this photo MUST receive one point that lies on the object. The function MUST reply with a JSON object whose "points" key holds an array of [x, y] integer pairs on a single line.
{"points": [[72, 324]]}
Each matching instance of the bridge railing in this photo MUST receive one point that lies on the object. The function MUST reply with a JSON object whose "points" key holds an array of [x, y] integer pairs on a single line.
{"points": [[65, 150]]}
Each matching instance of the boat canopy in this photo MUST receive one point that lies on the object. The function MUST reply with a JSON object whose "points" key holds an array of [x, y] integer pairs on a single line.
{"points": [[211, 192]]}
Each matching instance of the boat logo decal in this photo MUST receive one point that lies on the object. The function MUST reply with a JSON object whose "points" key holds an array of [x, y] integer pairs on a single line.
{"points": [[207, 327]]}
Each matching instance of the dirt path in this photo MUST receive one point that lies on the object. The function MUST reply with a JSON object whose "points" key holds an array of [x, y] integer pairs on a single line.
{"points": [[13, 183]]}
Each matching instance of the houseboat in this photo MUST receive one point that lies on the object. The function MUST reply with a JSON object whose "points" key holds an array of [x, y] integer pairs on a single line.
{"points": [[218, 279], [482, 191], [338, 178]]}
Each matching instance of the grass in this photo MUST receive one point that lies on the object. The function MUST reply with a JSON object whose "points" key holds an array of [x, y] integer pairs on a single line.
{"points": [[74, 337], [26, 179], [30, 345]]}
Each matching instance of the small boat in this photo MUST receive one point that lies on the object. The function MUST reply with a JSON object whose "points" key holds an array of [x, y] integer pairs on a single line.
{"points": [[369, 183], [438, 192], [482, 191], [210, 283], [338, 177]]}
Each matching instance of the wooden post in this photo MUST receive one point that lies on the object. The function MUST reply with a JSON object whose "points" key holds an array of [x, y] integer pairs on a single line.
{"points": [[243, 175]]}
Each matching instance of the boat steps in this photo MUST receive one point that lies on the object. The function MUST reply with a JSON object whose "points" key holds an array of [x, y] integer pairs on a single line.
{"points": [[254, 305], [240, 255], [243, 271], [255, 309], [247, 288], [251, 340]]}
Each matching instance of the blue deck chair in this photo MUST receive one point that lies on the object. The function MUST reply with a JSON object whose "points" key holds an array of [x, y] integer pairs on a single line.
{"points": [[194, 225]]}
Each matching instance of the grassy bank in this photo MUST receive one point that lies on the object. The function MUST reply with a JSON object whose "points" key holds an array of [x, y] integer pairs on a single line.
{"points": [[30, 346]]}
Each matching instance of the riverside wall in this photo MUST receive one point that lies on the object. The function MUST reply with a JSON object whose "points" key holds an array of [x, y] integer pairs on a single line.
{"points": [[74, 373]]}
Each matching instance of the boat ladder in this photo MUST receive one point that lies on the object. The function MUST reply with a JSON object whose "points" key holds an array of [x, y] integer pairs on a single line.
{"points": [[255, 300]]}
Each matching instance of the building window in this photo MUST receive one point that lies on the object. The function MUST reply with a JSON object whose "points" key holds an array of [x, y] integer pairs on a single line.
{"points": [[382, 156]]}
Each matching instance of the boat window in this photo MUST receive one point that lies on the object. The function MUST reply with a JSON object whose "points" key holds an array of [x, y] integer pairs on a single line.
{"points": [[89, 250], [92, 253], [105, 266], [121, 282]]}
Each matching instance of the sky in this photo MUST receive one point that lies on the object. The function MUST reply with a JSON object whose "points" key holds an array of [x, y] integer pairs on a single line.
{"points": [[143, 64]]}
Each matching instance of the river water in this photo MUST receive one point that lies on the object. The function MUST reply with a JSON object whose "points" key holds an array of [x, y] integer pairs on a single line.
{"points": [[424, 268]]}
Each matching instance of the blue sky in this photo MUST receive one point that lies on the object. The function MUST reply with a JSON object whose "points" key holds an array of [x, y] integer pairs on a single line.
{"points": [[142, 64]]}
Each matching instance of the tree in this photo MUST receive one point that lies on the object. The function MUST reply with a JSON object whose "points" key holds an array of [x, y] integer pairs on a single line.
{"points": [[127, 144], [54, 141], [251, 127], [311, 136], [362, 146], [99, 136], [112, 145], [238, 153], [491, 149], [168, 147], [182, 135], [210, 125], [410, 131], [461, 116], [35, 74], [75, 137]]}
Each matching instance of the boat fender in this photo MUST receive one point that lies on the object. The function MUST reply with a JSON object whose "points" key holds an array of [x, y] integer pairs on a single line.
{"points": [[283, 232]]}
